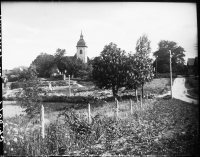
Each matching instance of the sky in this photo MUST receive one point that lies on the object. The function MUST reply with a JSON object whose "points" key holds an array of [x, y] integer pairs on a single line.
{"points": [[30, 28]]}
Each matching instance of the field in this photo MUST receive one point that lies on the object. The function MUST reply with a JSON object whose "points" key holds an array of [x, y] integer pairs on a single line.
{"points": [[160, 127]]}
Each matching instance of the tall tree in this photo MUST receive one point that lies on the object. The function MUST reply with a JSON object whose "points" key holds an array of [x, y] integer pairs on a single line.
{"points": [[140, 65], [143, 45], [109, 69], [140, 71], [163, 57], [59, 56]]}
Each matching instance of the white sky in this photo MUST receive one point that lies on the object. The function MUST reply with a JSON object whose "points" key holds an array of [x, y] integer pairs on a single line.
{"points": [[29, 28]]}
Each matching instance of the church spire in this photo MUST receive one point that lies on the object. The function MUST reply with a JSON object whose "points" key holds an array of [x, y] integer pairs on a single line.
{"points": [[81, 35]]}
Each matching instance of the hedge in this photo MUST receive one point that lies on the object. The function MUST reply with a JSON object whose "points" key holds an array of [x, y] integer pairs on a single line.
{"points": [[57, 77], [82, 99], [15, 85], [165, 75]]}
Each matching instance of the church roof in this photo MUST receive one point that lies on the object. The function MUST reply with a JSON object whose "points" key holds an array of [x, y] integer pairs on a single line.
{"points": [[81, 42]]}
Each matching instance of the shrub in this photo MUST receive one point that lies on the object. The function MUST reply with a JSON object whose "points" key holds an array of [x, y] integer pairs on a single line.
{"points": [[57, 77], [166, 75], [88, 99], [13, 78], [15, 85]]}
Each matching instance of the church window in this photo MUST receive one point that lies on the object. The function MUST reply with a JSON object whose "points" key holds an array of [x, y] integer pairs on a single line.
{"points": [[81, 52]]}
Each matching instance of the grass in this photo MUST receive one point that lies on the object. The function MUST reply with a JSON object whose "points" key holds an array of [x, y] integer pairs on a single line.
{"points": [[158, 86], [164, 127]]}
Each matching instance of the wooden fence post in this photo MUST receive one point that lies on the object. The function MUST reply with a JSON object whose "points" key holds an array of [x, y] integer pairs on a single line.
{"points": [[131, 107], [42, 121], [69, 87], [89, 116], [116, 107], [141, 102]]}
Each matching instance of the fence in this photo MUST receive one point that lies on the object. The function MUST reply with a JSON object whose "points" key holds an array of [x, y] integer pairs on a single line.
{"points": [[89, 113]]}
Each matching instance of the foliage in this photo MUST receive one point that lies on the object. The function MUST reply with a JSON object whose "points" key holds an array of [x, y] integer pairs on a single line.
{"points": [[109, 69], [17, 70], [143, 45], [44, 62], [15, 85], [57, 77], [193, 83], [163, 57], [140, 69], [59, 56], [13, 78], [30, 98], [166, 75], [165, 127]]}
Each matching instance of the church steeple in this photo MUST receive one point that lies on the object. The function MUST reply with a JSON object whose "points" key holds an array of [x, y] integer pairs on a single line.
{"points": [[81, 35], [82, 49]]}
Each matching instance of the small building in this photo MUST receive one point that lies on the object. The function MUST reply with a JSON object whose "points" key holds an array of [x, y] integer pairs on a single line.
{"points": [[191, 66]]}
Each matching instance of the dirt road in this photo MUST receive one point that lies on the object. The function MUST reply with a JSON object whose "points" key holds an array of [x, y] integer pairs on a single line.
{"points": [[179, 90]]}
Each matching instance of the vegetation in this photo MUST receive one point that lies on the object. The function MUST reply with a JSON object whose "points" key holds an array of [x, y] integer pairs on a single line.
{"points": [[164, 127], [44, 62], [140, 69], [163, 56], [110, 68], [114, 69], [194, 83]]}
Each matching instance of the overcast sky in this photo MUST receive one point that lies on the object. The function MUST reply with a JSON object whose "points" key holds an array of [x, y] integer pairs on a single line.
{"points": [[29, 28]]}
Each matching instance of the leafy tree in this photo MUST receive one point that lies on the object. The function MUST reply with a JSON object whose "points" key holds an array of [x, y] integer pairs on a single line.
{"points": [[140, 65], [30, 99], [60, 59], [43, 64], [109, 69], [140, 71], [143, 45], [18, 70], [163, 56]]}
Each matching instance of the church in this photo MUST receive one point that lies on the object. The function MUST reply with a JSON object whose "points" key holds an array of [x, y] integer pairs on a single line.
{"points": [[81, 51]]}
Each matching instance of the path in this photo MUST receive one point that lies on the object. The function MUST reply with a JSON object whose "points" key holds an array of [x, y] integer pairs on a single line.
{"points": [[179, 90]]}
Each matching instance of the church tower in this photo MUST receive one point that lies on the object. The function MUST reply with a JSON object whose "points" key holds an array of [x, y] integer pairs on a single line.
{"points": [[81, 49]]}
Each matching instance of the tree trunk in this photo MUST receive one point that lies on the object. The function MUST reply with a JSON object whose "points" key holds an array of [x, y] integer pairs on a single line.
{"points": [[142, 90], [136, 94], [115, 91]]}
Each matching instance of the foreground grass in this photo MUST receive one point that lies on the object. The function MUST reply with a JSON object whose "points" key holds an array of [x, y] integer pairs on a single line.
{"points": [[164, 127]]}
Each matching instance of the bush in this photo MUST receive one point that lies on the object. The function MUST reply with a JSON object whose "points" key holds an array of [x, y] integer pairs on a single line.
{"points": [[57, 77], [193, 83], [13, 78], [15, 85], [88, 99], [165, 75]]}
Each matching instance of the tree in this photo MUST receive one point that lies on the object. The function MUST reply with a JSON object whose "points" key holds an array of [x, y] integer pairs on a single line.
{"points": [[140, 71], [143, 45], [59, 56], [43, 63], [140, 65], [30, 99], [109, 69], [163, 56]]}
